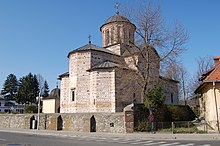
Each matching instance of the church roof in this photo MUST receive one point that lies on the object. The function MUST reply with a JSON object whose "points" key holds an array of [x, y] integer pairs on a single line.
{"points": [[91, 47], [117, 18], [63, 75], [107, 64], [54, 94], [133, 50]]}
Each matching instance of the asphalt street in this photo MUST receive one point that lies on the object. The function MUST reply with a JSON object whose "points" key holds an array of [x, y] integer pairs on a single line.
{"points": [[21, 139]]}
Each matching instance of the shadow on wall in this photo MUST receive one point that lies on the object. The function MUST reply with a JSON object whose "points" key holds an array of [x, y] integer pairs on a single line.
{"points": [[92, 124]]}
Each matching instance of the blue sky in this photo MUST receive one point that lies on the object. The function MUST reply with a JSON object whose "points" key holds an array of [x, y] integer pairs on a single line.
{"points": [[36, 35]]}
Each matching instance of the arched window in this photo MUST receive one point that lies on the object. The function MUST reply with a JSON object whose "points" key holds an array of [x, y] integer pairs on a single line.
{"points": [[113, 35], [107, 37], [130, 36], [118, 33]]}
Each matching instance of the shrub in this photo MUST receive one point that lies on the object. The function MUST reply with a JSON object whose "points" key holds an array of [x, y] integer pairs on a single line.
{"points": [[30, 109], [181, 113], [142, 126]]}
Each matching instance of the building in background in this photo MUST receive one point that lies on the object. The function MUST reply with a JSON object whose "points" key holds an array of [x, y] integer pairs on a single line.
{"points": [[10, 106]]}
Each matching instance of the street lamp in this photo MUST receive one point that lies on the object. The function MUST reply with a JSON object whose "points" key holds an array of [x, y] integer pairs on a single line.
{"points": [[38, 110]]}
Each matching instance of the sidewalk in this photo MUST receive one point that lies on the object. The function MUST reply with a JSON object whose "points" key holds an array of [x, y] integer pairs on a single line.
{"points": [[143, 135]]}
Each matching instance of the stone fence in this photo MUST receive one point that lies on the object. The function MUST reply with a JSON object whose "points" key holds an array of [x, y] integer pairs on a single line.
{"points": [[83, 122]]}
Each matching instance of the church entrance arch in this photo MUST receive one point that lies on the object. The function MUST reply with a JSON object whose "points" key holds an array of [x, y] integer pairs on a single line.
{"points": [[59, 123], [92, 124]]}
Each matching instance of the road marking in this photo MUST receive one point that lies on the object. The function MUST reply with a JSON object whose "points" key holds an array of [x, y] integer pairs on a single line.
{"points": [[99, 140], [155, 143], [142, 142], [168, 144], [189, 144], [128, 141], [118, 139], [2, 139], [206, 145]]}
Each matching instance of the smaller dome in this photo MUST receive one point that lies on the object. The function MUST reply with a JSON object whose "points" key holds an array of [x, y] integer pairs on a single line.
{"points": [[117, 18], [55, 93]]}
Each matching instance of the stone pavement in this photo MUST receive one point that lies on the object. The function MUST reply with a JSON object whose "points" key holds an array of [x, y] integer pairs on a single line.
{"points": [[141, 136]]}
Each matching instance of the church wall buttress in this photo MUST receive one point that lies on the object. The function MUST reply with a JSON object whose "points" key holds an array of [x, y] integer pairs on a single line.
{"points": [[82, 100], [64, 95], [103, 89]]}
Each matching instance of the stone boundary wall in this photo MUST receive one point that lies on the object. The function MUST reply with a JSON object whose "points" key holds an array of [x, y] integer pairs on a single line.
{"points": [[82, 122]]}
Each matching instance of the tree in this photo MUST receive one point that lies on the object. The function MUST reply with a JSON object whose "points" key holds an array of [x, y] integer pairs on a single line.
{"points": [[45, 89], [10, 87], [152, 32], [41, 81], [154, 98], [204, 64], [28, 89]]}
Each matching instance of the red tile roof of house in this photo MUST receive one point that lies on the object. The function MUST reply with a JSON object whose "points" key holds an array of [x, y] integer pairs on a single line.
{"points": [[214, 75]]}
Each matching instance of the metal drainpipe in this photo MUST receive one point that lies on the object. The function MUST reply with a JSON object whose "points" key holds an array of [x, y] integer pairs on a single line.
{"points": [[216, 108]]}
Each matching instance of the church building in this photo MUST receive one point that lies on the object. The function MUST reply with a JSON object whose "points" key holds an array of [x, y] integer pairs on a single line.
{"points": [[104, 79]]}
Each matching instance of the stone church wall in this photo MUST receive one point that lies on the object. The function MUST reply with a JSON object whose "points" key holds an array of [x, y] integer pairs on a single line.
{"points": [[103, 90], [128, 90], [94, 91], [100, 57], [64, 93], [170, 90], [81, 122], [82, 88]]}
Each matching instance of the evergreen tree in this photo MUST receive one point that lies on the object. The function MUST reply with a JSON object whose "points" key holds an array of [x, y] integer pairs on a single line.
{"points": [[10, 87], [154, 99], [45, 89], [35, 88], [28, 89]]}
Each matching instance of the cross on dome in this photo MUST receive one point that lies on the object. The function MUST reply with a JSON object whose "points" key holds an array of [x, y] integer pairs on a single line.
{"points": [[89, 38], [116, 7]]}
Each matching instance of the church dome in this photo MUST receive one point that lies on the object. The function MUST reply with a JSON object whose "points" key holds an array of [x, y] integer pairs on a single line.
{"points": [[54, 94], [117, 18]]}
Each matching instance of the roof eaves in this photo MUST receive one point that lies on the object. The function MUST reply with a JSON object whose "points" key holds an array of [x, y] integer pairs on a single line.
{"points": [[168, 79], [63, 75]]}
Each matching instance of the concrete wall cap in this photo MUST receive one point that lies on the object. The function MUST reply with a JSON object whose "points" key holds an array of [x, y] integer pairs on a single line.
{"points": [[129, 107]]}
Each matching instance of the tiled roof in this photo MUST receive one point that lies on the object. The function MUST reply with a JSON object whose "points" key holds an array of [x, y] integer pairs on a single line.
{"points": [[117, 18], [214, 74], [91, 47], [107, 64], [133, 50]]}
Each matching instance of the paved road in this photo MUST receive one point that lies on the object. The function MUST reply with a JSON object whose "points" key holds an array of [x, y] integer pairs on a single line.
{"points": [[19, 139]]}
